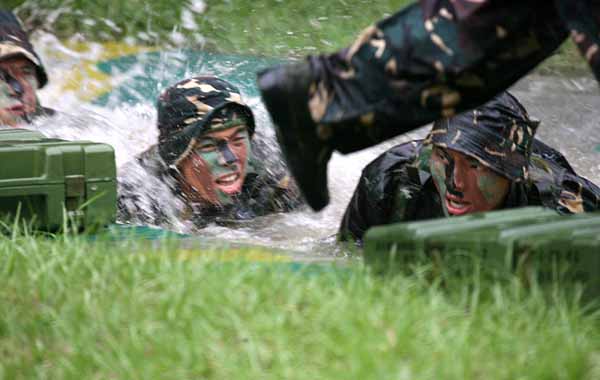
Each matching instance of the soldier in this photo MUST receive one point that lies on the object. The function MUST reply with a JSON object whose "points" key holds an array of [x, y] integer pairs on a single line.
{"points": [[481, 160], [21, 74], [206, 165], [431, 60]]}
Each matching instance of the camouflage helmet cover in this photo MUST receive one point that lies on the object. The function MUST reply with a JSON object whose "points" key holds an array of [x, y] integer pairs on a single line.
{"points": [[15, 42], [499, 134], [196, 106]]}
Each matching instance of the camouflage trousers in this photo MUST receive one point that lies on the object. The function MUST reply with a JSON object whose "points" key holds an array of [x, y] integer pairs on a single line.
{"points": [[436, 59]]}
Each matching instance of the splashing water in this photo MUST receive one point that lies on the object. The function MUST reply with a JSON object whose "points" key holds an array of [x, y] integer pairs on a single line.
{"points": [[126, 119]]}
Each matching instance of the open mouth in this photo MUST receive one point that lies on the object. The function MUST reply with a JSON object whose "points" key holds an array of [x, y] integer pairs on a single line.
{"points": [[229, 183], [17, 108], [228, 179], [456, 205]]}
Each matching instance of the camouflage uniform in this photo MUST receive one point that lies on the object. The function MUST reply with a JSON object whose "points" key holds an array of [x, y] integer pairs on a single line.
{"points": [[398, 185], [432, 59], [14, 42], [186, 111]]}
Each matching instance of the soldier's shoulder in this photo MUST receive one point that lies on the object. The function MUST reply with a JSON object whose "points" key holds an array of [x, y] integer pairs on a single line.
{"points": [[551, 157], [394, 159], [558, 183]]}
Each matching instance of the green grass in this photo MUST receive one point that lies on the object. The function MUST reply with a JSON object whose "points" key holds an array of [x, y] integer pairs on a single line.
{"points": [[72, 309], [269, 27], [264, 27], [566, 61]]}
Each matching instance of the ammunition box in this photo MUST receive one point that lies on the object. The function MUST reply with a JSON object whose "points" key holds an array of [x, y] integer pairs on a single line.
{"points": [[405, 241], [538, 244], [45, 180]]}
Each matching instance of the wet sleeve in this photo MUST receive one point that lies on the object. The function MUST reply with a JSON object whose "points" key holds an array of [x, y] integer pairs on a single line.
{"points": [[577, 195], [382, 189], [134, 205], [558, 185], [287, 196], [362, 212], [127, 203], [425, 62]]}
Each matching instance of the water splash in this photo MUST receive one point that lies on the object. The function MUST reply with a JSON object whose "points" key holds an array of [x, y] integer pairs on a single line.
{"points": [[568, 109]]}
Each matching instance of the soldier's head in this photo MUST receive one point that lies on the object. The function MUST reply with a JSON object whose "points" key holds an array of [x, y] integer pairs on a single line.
{"points": [[205, 130], [21, 72], [478, 154]]}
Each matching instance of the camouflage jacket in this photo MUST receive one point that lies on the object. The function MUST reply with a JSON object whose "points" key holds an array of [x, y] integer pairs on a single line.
{"points": [[149, 195], [397, 187]]}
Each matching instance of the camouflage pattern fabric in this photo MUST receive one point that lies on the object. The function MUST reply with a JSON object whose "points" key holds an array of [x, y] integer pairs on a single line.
{"points": [[15, 42], [397, 187], [149, 194], [196, 106], [431, 60], [498, 134]]}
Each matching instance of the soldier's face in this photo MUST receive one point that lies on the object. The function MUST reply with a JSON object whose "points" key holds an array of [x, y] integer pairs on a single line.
{"points": [[216, 170], [18, 84], [464, 184]]}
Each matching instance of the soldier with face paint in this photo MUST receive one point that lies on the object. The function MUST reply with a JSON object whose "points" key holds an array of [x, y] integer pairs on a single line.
{"points": [[205, 161], [481, 160], [21, 74]]}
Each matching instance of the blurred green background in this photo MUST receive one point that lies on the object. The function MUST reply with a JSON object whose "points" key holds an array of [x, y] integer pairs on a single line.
{"points": [[273, 28], [270, 27]]}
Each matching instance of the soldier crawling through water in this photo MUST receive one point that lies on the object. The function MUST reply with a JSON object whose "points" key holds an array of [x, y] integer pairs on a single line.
{"points": [[481, 160], [206, 162], [21, 74]]}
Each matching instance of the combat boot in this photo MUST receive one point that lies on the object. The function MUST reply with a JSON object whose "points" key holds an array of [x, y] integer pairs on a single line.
{"points": [[285, 92]]}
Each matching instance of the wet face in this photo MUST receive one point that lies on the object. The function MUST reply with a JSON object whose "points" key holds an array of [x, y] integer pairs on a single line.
{"points": [[18, 85], [215, 171], [464, 184]]}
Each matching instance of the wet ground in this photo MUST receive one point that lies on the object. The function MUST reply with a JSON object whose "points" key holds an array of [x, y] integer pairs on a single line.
{"points": [[568, 107]]}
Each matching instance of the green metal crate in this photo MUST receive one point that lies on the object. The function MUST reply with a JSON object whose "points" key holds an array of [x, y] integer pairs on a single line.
{"points": [[567, 253], [538, 244], [504, 240], [405, 241], [45, 179], [10, 135]]}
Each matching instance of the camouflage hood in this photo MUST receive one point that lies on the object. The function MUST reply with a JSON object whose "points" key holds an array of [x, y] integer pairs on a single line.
{"points": [[14, 42], [194, 107], [499, 134]]}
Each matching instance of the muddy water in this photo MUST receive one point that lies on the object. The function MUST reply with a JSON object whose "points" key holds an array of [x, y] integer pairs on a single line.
{"points": [[569, 110]]}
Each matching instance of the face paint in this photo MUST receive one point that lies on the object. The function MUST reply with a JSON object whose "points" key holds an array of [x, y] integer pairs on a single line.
{"points": [[6, 98], [491, 187], [12, 88], [18, 85], [464, 184], [449, 176], [216, 170]]}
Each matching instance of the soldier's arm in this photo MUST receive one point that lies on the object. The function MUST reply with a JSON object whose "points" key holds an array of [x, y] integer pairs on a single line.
{"points": [[379, 196], [559, 186], [362, 212], [287, 195], [578, 195], [425, 62]]}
